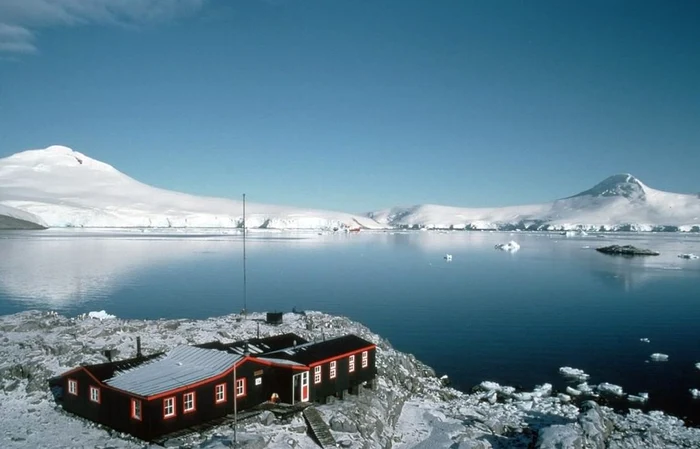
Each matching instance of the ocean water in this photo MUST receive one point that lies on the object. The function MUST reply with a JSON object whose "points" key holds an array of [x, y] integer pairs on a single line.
{"points": [[486, 315]]}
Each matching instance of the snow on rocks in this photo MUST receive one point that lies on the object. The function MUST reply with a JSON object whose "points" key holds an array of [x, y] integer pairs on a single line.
{"points": [[658, 357], [689, 256], [511, 246], [573, 373], [410, 407]]}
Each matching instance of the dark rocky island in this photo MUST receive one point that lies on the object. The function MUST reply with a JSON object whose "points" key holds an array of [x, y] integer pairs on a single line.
{"points": [[626, 250]]}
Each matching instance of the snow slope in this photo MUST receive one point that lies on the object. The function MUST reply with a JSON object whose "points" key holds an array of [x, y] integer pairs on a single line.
{"points": [[12, 218], [65, 188], [620, 202]]}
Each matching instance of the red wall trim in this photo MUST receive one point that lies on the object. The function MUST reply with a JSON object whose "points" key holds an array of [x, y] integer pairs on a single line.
{"points": [[337, 357]]}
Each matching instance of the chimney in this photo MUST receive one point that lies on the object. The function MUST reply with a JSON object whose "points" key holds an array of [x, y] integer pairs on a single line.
{"points": [[246, 351], [108, 354], [258, 323], [138, 347]]}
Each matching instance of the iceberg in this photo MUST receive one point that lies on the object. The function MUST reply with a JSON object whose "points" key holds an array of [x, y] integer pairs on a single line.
{"points": [[694, 392], [511, 246], [609, 388], [658, 357], [689, 256], [573, 373]]}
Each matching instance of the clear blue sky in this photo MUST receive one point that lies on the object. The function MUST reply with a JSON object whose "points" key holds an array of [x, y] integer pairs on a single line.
{"points": [[360, 105]]}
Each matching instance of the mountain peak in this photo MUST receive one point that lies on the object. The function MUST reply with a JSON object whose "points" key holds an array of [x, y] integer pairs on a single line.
{"points": [[623, 184], [55, 156]]}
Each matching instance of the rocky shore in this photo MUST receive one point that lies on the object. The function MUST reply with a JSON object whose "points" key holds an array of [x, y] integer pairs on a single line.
{"points": [[410, 407]]}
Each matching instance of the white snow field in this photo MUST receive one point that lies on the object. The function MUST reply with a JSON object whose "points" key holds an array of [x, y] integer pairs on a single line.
{"points": [[620, 202], [410, 408], [13, 218], [59, 187]]}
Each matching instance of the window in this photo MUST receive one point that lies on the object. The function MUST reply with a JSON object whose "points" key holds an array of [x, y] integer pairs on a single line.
{"points": [[333, 369], [220, 393], [168, 407], [365, 359], [188, 404], [94, 394], [136, 409], [73, 387], [240, 388], [317, 375], [351, 364], [258, 381]]}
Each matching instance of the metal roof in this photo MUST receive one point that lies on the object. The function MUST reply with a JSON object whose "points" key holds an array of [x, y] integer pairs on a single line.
{"points": [[280, 361], [182, 366]]}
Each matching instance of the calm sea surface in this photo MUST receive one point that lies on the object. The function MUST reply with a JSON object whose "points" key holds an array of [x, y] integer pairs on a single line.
{"points": [[487, 315]]}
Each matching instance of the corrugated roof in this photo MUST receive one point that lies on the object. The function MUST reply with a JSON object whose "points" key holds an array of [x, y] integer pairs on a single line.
{"points": [[310, 353], [182, 366], [279, 361]]}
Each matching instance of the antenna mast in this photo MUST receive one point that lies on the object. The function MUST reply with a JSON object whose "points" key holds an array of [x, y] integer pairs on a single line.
{"points": [[245, 284]]}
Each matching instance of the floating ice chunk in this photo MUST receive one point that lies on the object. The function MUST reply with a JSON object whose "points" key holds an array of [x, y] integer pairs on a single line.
{"points": [[584, 388], [658, 357], [641, 397], [573, 373], [694, 392], [689, 256], [645, 340], [573, 392], [564, 397], [611, 389], [697, 365], [511, 246], [543, 390], [101, 315], [490, 386], [448, 257]]}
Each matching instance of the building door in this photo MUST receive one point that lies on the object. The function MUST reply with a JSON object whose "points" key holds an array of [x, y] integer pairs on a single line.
{"points": [[304, 386]]}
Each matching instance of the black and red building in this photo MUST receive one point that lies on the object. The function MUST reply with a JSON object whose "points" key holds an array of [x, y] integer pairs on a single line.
{"points": [[153, 396]]}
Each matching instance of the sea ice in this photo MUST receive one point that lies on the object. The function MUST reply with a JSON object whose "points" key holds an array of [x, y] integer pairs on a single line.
{"points": [[645, 340], [641, 397], [689, 256], [448, 257], [658, 357], [511, 246], [695, 393], [611, 389], [101, 315], [573, 373], [573, 392], [697, 365]]}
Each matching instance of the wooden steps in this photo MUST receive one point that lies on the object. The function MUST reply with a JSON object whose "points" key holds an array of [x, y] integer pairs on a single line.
{"points": [[319, 428]]}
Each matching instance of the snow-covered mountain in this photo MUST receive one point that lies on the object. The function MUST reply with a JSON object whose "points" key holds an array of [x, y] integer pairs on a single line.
{"points": [[59, 187], [619, 203]]}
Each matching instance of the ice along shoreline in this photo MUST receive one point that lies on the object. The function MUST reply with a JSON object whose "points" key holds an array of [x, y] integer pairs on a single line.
{"points": [[410, 408]]}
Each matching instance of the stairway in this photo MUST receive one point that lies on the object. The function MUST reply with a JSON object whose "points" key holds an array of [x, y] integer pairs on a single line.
{"points": [[319, 428]]}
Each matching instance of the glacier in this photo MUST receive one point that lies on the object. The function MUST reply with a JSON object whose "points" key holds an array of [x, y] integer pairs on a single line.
{"points": [[60, 187], [618, 203]]}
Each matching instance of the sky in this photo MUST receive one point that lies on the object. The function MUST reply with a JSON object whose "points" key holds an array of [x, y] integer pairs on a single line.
{"points": [[360, 105]]}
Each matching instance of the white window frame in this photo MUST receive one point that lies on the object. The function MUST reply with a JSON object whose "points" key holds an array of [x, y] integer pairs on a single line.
{"points": [[169, 404], [73, 387], [333, 369], [136, 409], [220, 394], [317, 374], [240, 388], [365, 359], [188, 402], [94, 394], [351, 364]]}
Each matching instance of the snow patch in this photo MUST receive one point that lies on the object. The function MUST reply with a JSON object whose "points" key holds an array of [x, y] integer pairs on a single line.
{"points": [[511, 246]]}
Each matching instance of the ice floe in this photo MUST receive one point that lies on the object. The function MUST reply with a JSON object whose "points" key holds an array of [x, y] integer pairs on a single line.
{"points": [[609, 388], [511, 246], [658, 357], [448, 257], [689, 256], [694, 392], [573, 373], [641, 397], [697, 365], [100, 315], [645, 340]]}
